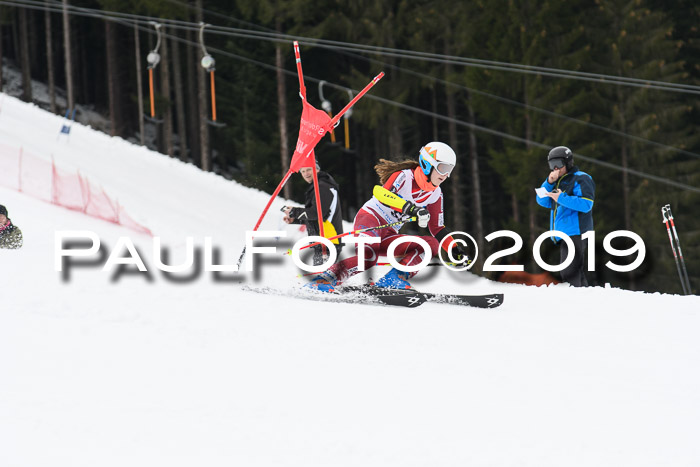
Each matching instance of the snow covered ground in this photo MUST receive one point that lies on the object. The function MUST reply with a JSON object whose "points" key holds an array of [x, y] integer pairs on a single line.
{"points": [[107, 369]]}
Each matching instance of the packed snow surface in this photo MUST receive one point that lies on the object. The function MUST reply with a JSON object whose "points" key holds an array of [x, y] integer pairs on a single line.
{"points": [[121, 367]]}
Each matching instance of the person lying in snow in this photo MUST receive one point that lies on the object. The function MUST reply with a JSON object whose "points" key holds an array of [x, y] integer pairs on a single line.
{"points": [[10, 234]]}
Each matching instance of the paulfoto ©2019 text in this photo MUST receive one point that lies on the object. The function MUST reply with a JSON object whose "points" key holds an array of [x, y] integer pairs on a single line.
{"points": [[75, 248]]}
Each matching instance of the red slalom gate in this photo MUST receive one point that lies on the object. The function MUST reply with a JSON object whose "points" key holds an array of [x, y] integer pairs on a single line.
{"points": [[313, 126]]}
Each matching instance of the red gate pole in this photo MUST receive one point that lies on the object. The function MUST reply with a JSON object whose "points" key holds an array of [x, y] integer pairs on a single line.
{"points": [[297, 56], [272, 198], [262, 216], [319, 211], [302, 92]]}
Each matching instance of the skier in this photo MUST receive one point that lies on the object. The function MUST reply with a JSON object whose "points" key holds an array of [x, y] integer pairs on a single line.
{"points": [[417, 183], [10, 235], [571, 206], [330, 209]]}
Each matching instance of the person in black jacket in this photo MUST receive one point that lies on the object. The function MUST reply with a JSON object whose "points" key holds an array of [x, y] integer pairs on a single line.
{"points": [[330, 209]]}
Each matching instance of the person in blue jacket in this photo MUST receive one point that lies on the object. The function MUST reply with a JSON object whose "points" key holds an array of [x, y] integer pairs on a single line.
{"points": [[570, 196]]}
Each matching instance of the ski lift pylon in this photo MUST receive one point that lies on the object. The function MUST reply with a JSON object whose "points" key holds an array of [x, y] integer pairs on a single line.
{"points": [[346, 123], [326, 106], [209, 64], [153, 58]]}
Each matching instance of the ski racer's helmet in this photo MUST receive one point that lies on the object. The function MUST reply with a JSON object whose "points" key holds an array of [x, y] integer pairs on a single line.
{"points": [[439, 156], [559, 157]]}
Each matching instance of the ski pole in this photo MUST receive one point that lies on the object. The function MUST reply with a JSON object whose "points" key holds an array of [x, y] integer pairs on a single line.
{"points": [[680, 252], [664, 214], [355, 232]]}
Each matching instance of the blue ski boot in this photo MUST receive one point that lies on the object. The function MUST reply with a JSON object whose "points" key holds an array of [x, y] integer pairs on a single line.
{"points": [[324, 282], [394, 279]]}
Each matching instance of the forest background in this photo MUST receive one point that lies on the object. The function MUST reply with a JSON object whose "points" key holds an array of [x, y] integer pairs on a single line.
{"points": [[500, 81]]}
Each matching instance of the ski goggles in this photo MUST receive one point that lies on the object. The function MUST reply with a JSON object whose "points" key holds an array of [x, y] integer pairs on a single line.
{"points": [[555, 164], [443, 168]]}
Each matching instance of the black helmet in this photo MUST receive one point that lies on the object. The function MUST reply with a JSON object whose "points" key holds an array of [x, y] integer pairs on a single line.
{"points": [[559, 157]]}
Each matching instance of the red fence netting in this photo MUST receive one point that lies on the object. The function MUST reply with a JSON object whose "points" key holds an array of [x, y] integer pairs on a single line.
{"points": [[42, 179]]}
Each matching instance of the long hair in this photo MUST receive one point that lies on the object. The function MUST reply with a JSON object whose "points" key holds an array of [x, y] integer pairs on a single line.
{"points": [[385, 168]]}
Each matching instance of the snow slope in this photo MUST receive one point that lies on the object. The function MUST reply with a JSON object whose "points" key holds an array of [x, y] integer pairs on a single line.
{"points": [[105, 369]]}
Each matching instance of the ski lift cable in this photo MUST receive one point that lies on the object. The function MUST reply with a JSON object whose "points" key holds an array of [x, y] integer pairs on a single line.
{"points": [[536, 109], [441, 58], [495, 97], [475, 127], [229, 18], [399, 53], [98, 14], [442, 117], [455, 60], [384, 65]]}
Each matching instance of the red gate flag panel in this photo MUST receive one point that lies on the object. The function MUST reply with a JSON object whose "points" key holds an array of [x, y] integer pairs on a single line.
{"points": [[314, 124]]}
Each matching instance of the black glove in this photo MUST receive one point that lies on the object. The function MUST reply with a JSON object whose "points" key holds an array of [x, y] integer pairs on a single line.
{"points": [[296, 215], [421, 214], [460, 254]]}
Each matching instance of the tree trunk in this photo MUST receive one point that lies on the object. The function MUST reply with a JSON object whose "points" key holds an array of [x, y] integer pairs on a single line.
{"points": [[395, 140], [626, 186], [33, 35], [67, 56], [49, 61], [247, 141], [282, 111], [111, 78], [624, 152], [179, 101], [477, 213], [165, 86], [25, 59], [361, 173], [85, 92], [457, 190], [532, 204], [457, 214], [35, 55], [139, 84], [203, 108], [625, 164], [0, 52], [192, 100], [436, 135], [15, 40]]}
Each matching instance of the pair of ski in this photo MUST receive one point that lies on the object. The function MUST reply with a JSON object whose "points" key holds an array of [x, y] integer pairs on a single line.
{"points": [[412, 298], [370, 294]]}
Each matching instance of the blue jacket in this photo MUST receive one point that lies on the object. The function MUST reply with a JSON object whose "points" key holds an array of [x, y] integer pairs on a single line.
{"points": [[572, 214]]}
